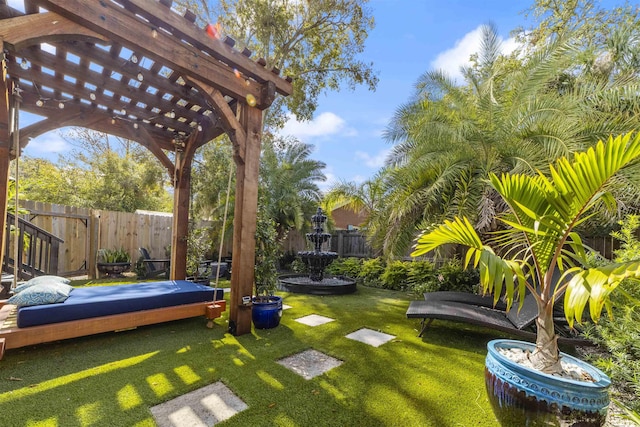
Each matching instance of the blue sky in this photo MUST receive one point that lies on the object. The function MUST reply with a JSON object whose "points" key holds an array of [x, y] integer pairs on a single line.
{"points": [[410, 38]]}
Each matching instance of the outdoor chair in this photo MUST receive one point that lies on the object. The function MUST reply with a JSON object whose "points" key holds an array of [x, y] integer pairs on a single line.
{"points": [[465, 298], [479, 310], [154, 267]]}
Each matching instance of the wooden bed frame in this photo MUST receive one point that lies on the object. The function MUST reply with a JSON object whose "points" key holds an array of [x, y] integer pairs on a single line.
{"points": [[13, 337]]}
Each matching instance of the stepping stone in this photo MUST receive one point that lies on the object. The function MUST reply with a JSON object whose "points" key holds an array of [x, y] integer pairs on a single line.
{"points": [[314, 320], [200, 408], [310, 363], [286, 306], [371, 337]]}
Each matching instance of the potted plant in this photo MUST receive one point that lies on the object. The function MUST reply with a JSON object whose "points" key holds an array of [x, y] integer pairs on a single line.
{"points": [[198, 245], [113, 262], [266, 307], [542, 212]]}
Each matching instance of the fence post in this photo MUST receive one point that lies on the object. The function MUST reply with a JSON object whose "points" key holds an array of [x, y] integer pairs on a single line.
{"points": [[340, 243], [93, 231]]}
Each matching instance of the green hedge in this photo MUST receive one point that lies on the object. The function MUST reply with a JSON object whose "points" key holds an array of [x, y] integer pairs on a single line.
{"points": [[417, 276]]}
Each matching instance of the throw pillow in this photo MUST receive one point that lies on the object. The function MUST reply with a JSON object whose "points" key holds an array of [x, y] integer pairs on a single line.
{"points": [[41, 294]]}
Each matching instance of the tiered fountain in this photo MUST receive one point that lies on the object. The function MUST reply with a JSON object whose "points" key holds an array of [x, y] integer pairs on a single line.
{"points": [[316, 261]]}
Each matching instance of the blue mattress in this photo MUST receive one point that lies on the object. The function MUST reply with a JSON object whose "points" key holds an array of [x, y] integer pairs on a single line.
{"points": [[101, 301]]}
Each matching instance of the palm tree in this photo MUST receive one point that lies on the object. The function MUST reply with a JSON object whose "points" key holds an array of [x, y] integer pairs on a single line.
{"points": [[363, 198], [542, 213], [510, 116], [289, 183]]}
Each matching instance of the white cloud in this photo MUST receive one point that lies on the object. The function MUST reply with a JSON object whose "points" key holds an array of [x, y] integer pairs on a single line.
{"points": [[332, 179], [324, 125], [324, 186], [452, 59], [376, 161], [359, 179], [47, 144]]}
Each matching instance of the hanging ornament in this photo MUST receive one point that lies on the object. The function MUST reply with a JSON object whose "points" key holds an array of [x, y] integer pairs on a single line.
{"points": [[214, 30]]}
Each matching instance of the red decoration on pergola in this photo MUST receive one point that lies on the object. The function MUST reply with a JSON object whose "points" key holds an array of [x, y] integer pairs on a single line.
{"points": [[139, 70]]}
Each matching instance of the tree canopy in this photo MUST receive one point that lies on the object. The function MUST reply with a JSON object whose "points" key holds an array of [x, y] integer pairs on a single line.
{"points": [[514, 114], [101, 173], [315, 42], [288, 183]]}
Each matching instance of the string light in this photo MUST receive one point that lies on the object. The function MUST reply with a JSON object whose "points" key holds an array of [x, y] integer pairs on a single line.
{"points": [[172, 114], [113, 120], [40, 102], [140, 77], [134, 59], [24, 64], [135, 126], [61, 105], [154, 33], [92, 96]]}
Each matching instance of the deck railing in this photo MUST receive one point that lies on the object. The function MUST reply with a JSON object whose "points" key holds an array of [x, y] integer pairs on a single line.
{"points": [[38, 250]]}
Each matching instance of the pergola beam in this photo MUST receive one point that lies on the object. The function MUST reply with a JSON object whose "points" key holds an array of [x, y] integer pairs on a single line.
{"points": [[38, 27], [221, 50], [122, 26]]}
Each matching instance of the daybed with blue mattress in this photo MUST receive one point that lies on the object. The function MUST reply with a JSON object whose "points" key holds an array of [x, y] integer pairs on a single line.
{"points": [[92, 310]]}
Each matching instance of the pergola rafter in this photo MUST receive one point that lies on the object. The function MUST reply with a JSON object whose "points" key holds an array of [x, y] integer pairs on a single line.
{"points": [[139, 70]]}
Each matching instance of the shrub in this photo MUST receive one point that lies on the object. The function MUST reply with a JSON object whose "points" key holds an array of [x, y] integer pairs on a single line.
{"points": [[421, 275], [287, 259], [115, 255], [395, 275], [298, 266], [370, 272], [620, 334], [450, 277], [456, 278], [349, 267]]}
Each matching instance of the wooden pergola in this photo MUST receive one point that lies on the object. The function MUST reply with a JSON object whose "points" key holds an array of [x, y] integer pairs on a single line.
{"points": [[139, 70]]}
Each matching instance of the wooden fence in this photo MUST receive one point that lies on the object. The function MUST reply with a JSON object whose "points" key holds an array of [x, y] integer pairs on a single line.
{"points": [[84, 231], [348, 243]]}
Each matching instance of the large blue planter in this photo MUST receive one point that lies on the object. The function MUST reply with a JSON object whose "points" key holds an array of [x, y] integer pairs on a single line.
{"points": [[521, 396], [266, 315]]}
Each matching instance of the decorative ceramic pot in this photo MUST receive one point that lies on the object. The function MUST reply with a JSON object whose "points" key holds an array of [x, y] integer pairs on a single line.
{"points": [[113, 268], [266, 314], [521, 396]]}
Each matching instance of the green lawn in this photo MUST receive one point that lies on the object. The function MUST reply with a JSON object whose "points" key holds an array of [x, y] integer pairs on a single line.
{"points": [[112, 379]]}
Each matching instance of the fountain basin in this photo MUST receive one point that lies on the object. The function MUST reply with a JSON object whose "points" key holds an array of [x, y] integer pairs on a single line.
{"points": [[302, 284]]}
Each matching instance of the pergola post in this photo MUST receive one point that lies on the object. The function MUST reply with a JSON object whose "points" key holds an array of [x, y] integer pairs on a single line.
{"points": [[180, 224], [181, 198], [244, 221], [5, 143]]}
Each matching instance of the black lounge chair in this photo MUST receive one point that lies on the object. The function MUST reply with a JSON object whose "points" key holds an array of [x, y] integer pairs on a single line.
{"points": [[154, 267], [479, 310], [465, 298]]}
